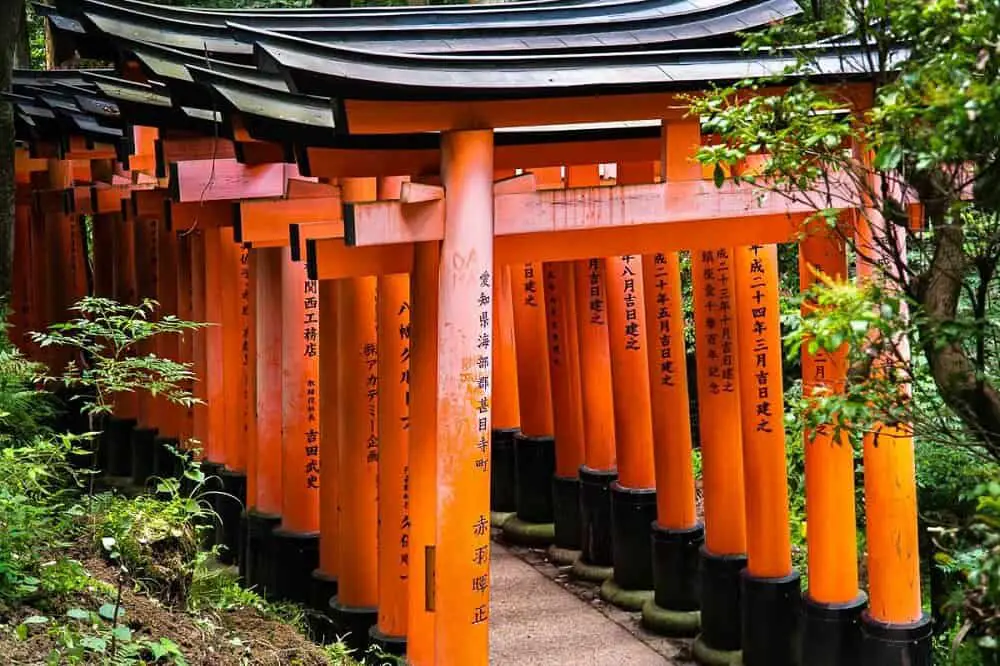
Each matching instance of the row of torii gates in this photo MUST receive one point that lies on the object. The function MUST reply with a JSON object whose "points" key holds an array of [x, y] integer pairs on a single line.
{"points": [[392, 340]]}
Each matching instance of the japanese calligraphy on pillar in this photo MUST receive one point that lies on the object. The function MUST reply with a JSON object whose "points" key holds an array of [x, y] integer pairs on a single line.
{"points": [[632, 332], [552, 315], [404, 380], [715, 268], [664, 307], [763, 356], [245, 324], [370, 352], [310, 331], [595, 280], [530, 286], [481, 527]]}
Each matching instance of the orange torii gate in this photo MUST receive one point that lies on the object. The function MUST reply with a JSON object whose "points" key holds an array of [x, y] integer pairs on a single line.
{"points": [[455, 229]]}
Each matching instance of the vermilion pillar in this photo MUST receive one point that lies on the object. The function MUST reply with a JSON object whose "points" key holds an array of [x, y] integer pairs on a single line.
{"points": [[199, 347], [833, 604], [534, 446], [633, 495], [165, 463], [185, 342], [723, 555], [354, 607], [421, 648], [465, 330], [357, 593], [216, 451], [771, 588], [564, 369], [235, 337], [393, 465], [296, 540], [264, 502], [567, 400], [677, 532], [147, 259], [506, 409], [894, 628], [600, 463]]}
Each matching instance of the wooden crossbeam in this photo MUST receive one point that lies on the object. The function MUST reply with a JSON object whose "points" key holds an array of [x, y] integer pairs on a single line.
{"points": [[330, 259], [577, 209], [266, 222], [182, 217], [215, 180], [171, 149]]}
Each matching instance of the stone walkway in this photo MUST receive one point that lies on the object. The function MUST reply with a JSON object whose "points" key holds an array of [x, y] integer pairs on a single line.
{"points": [[536, 620]]}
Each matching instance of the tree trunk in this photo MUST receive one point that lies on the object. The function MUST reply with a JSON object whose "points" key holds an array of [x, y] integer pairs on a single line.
{"points": [[10, 14], [974, 399], [22, 44]]}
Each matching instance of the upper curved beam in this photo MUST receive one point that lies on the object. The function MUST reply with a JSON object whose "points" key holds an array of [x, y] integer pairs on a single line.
{"points": [[346, 73]]}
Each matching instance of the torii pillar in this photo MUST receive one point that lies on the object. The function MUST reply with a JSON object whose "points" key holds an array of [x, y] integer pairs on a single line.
{"points": [[534, 446], [506, 410], [833, 603], [567, 399], [771, 587], [464, 360], [894, 629], [633, 495], [296, 539], [723, 556], [677, 532]]}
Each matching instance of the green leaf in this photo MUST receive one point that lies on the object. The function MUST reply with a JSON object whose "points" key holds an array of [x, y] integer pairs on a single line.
{"points": [[94, 644], [35, 619], [108, 543], [718, 175], [123, 634], [107, 611], [22, 632], [78, 614]]}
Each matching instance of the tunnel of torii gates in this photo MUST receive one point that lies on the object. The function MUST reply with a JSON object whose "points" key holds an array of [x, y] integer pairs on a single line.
{"points": [[450, 301]]}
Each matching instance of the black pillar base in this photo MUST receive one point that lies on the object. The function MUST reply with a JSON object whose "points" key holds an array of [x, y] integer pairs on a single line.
{"points": [[831, 633], [566, 512], [296, 555], [211, 490], [674, 610], [503, 471], [394, 645], [353, 623], [721, 592], [323, 589], [166, 464], [143, 454], [595, 515], [770, 620], [260, 565], [229, 505], [117, 439], [633, 510], [535, 458], [896, 644]]}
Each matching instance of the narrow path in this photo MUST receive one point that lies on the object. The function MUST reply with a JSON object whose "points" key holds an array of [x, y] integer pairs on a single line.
{"points": [[536, 622]]}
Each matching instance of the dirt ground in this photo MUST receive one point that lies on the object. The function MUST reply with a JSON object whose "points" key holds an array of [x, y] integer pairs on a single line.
{"points": [[212, 639]]}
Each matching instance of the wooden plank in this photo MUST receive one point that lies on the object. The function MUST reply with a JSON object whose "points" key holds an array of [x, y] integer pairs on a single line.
{"points": [[183, 217], [344, 162], [298, 188], [215, 180], [549, 211], [330, 259], [412, 193], [264, 221], [186, 149]]}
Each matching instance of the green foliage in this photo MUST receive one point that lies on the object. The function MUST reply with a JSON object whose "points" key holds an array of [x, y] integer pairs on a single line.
{"points": [[37, 515], [109, 337], [154, 537]]}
